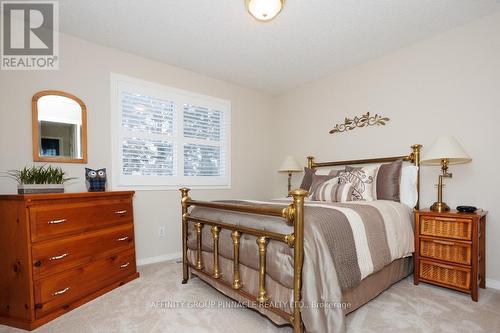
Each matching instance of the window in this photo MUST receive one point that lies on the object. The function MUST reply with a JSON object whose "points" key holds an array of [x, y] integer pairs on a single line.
{"points": [[165, 138]]}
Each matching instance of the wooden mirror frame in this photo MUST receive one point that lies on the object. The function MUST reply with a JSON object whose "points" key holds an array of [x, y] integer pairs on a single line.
{"points": [[36, 134]]}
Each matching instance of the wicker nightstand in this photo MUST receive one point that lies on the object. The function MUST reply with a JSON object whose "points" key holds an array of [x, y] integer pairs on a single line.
{"points": [[450, 250]]}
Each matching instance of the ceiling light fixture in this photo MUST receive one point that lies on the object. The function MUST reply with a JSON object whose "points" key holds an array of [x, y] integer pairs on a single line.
{"points": [[264, 10]]}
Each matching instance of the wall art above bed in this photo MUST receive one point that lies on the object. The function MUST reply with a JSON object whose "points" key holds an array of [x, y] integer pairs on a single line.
{"points": [[364, 120]]}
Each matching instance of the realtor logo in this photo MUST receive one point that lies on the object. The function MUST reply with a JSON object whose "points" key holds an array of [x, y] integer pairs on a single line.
{"points": [[30, 39]]}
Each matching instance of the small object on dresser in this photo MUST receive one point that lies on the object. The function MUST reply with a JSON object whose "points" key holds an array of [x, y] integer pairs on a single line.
{"points": [[95, 180], [466, 209], [450, 250], [38, 179]]}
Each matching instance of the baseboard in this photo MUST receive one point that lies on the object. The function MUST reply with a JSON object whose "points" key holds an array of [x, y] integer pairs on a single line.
{"points": [[493, 284], [164, 257]]}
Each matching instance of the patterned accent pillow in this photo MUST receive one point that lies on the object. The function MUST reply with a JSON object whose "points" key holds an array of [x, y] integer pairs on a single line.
{"points": [[387, 181], [362, 180], [332, 191]]}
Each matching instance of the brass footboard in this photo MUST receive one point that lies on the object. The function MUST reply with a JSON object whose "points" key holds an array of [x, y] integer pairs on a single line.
{"points": [[293, 214]]}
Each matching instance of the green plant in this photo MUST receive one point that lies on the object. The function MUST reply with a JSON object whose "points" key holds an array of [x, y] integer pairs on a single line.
{"points": [[38, 175]]}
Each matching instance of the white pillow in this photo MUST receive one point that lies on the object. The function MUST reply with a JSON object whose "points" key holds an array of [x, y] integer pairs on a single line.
{"points": [[408, 186]]}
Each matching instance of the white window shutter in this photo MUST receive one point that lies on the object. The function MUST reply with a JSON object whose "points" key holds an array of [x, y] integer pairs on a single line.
{"points": [[204, 136], [167, 138]]}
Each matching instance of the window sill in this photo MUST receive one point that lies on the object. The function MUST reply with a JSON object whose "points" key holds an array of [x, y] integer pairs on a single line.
{"points": [[139, 188]]}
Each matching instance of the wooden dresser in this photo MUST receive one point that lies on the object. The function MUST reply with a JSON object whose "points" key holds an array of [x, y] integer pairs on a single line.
{"points": [[59, 251], [450, 250]]}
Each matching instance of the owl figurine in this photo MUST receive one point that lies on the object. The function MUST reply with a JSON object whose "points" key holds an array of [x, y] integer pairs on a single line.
{"points": [[95, 180]]}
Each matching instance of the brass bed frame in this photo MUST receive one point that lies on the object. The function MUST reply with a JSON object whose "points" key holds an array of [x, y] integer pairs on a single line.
{"points": [[293, 215]]}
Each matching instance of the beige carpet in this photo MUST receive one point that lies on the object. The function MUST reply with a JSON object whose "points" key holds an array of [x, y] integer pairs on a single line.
{"points": [[134, 308]]}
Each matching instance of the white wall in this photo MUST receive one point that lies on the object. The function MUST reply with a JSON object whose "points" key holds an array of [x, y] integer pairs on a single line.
{"points": [[85, 72], [447, 85]]}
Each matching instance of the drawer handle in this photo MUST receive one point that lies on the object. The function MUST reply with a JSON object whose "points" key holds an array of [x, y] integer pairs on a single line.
{"points": [[121, 239], [121, 212], [60, 292], [59, 257], [124, 265], [443, 242], [57, 221], [446, 267]]}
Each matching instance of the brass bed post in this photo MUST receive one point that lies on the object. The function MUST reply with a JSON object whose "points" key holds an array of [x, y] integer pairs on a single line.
{"points": [[185, 215], [199, 257], [215, 233], [235, 235], [310, 162], [416, 161], [262, 243], [298, 201]]}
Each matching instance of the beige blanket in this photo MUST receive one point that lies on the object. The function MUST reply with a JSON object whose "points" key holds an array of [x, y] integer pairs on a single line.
{"points": [[344, 243]]}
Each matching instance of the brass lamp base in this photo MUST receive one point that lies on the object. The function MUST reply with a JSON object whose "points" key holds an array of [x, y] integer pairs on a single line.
{"points": [[440, 207]]}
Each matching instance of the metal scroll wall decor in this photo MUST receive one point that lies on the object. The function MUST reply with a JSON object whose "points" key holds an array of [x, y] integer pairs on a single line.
{"points": [[362, 121]]}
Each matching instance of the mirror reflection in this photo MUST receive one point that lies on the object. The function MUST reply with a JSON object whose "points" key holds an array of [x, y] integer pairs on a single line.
{"points": [[60, 128]]}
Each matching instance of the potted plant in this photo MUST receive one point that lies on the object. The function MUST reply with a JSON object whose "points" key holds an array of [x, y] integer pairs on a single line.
{"points": [[39, 179]]}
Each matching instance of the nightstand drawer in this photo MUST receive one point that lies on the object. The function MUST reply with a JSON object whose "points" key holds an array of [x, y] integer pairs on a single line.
{"points": [[450, 275], [446, 250], [444, 227]]}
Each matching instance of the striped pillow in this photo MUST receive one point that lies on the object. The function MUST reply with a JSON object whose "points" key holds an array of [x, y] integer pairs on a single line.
{"points": [[332, 191]]}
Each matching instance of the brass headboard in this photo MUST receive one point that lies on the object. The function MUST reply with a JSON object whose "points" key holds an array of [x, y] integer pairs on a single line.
{"points": [[414, 158]]}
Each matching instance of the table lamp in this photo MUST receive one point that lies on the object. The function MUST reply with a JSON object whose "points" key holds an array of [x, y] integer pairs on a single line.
{"points": [[290, 165], [445, 151]]}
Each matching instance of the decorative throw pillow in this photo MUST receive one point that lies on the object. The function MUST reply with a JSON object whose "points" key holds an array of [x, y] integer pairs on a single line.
{"points": [[335, 172], [362, 180], [317, 180], [307, 179], [388, 179], [332, 191]]}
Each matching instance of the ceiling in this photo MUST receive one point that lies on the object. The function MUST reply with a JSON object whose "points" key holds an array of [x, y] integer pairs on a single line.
{"points": [[308, 40]]}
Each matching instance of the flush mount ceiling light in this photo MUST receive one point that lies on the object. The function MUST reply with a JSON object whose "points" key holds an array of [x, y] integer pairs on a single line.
{"points": [[264, 10]]}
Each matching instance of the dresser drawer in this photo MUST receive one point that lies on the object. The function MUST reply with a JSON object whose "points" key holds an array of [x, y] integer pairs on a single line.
{"points": [[446, 250], [61, 289], [450, 275], [54, 220], [443, 227], [61, 254]]}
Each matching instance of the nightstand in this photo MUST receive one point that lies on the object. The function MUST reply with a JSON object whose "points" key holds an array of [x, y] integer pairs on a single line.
{"points": [[450, 250]]}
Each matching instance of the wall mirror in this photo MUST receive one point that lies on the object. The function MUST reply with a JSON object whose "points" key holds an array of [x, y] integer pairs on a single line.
{"points": [[59, 127]]}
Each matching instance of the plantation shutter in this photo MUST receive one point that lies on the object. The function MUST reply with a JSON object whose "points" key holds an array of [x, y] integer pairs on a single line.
{"points": [[148, 125], [167, 138], [204, 138]]}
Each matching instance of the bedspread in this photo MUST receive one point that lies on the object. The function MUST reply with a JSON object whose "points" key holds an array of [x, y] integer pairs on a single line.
{"points": [[343, 244]]}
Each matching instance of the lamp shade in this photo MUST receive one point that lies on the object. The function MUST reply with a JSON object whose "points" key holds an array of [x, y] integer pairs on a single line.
{"points": [[290, 164], [445, 147]]}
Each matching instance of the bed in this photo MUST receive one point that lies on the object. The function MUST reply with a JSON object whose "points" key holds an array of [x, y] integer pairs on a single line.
{"points": [[302, 263]]}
